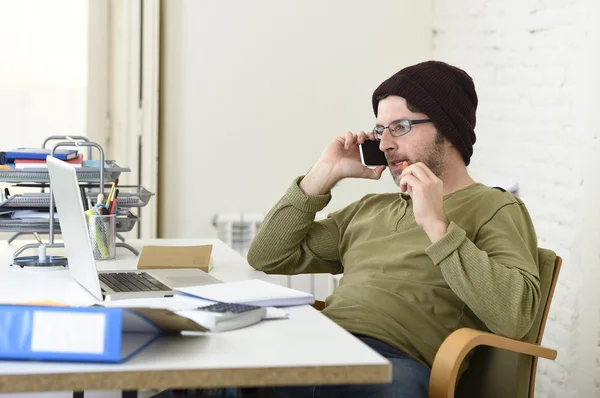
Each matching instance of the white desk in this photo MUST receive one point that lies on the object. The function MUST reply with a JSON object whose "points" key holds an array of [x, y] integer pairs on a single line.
{"points": [[306, 349]]}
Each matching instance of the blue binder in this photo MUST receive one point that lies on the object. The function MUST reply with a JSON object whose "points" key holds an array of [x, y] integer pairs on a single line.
{"points": [[36, 154], [83, 334]]}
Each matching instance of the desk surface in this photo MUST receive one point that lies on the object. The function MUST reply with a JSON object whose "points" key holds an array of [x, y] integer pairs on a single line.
{"points": [[306, 349]]}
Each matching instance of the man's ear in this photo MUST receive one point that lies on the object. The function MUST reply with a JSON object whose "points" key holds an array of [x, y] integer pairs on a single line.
{"points": [[448, 143]]}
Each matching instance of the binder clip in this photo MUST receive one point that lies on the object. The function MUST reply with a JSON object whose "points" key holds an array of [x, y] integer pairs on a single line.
{"points": [[41, 260]]}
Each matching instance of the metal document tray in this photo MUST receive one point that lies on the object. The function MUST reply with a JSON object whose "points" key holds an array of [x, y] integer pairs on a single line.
{"points": [[129, 196], [125, 223], [84, 174]]}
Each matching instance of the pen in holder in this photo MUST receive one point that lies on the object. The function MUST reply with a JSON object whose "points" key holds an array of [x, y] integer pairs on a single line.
{"points": [[102, 229]]}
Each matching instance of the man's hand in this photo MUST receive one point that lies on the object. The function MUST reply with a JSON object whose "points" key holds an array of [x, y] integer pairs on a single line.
{"points": [[340, 159], [427, 193]]}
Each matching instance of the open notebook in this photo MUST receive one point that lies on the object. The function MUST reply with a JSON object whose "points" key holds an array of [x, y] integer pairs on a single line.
{"points": [[253, 291]]}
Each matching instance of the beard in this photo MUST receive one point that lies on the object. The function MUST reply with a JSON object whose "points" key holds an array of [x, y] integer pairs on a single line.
{"points": [[432, 156]]}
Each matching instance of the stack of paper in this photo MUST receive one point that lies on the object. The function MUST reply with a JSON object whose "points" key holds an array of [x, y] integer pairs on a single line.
{"points": [[26, 214], [253, 292]]}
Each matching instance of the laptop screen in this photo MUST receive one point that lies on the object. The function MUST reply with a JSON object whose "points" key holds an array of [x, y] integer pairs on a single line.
{"points": [[69, 206]]}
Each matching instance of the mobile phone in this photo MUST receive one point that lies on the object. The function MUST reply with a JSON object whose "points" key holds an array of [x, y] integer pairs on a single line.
{"points": [[371, 155]]}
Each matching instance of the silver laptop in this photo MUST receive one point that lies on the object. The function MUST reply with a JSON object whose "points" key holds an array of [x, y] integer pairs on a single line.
{"points": [[109, 285]]}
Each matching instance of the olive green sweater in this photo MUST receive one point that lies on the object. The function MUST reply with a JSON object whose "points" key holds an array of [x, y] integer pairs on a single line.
{"points": [[397, 286]]}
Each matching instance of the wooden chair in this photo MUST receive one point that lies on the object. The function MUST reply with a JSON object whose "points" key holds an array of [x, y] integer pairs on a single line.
{"points": [[500, 367]]}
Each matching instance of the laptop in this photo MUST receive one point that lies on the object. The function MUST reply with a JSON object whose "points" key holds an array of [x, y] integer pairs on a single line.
{"points": [[107, 285]]}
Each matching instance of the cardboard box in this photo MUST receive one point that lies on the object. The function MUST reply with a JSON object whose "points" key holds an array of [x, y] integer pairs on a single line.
{"points": [[154, 257]]}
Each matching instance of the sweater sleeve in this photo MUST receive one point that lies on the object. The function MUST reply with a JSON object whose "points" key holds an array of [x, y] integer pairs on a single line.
{"points": [[497, 275], [290, 242]]}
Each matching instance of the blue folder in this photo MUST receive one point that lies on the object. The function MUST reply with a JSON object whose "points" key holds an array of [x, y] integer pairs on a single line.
{"points": [[36, 154], [83, 334]]}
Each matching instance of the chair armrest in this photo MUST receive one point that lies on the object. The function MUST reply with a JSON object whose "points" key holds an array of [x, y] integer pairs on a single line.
{"points": [[457, 345]]}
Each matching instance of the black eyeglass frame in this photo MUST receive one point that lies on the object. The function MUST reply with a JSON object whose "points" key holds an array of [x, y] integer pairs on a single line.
{"points": [[404, 126]]}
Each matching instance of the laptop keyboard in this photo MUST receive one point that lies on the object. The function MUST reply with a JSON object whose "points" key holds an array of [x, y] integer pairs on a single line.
{"points": [[132, 282]]}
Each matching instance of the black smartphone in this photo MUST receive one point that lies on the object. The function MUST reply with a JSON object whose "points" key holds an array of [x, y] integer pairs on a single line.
{"points": [[370, 155]]}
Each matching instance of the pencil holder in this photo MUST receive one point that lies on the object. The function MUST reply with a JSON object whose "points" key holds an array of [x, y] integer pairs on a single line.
{"points": [[101, 230]]}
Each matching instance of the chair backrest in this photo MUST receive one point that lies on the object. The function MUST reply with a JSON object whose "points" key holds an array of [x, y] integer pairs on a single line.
{"points": [[496, 373]]}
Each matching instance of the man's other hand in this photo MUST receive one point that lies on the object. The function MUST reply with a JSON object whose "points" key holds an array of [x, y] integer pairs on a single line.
{"points": [[427, 193]]}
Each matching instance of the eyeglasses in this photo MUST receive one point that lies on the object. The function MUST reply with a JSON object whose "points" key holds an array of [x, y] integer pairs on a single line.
{"points": [[397, 128]]}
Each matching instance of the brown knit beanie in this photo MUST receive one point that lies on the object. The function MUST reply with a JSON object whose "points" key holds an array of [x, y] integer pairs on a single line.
{"points": [[446, 94]]}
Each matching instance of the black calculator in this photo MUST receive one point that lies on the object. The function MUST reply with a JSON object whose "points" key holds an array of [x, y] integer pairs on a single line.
{"points": [[229, 307], [220, 317]]}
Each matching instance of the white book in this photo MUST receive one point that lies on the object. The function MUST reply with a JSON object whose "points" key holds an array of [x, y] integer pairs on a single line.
{"points": [[253, 292]]}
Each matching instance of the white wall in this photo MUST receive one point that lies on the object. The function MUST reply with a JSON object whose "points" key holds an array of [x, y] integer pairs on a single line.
{"points": [[252, 91], [535, 67], [43, 73]]}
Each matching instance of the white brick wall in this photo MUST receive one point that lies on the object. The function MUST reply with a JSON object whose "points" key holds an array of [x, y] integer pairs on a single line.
{"points": [[531, 61]]}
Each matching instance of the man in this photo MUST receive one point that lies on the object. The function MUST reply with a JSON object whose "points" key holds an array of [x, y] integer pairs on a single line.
{"points": [[443, 253]]}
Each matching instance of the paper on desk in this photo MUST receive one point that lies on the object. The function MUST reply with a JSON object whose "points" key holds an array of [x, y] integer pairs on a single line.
{"points": [[253, 292], [197, 302], [175, 303], [275, 313], [181, 302], [272, 312], [45, 303]]}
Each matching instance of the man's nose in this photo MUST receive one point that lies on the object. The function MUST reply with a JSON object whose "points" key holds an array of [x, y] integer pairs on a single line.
{"points": [[387, 141]]}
